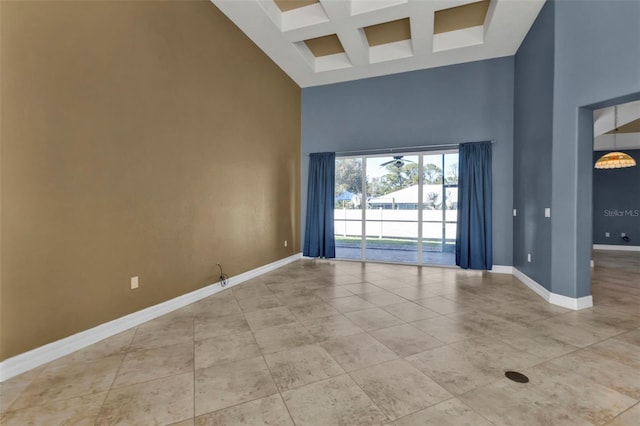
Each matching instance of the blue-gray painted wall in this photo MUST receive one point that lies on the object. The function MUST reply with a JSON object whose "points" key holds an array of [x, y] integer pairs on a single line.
{"points": [[533, 133], [616, 203], [453, 104], [597, 59], [596, 63]]}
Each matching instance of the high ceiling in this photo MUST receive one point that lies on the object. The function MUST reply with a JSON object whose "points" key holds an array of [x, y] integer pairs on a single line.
{"points": [[328, 41]]}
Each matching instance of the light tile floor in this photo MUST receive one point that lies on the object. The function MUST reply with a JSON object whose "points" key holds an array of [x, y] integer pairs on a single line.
{"points": [[344, 343]]}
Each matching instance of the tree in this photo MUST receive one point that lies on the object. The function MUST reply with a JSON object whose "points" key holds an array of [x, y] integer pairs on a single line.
{"points": [[373, 187], [432, 174], [398, 178], [452, 203], [431, 202], [349, 175], [452, 174]]}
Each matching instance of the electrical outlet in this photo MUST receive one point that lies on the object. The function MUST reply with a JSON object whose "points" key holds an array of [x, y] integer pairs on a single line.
{"points": [[547, 212], [134, 283], [515, 212], [606, 234], [285, 243], [529, 257], [623, 234]]}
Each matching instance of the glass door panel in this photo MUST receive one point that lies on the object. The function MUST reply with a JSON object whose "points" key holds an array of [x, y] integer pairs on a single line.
{"points": [[437, 197], [348, 208], [392, 209], [451, 203], [432, 216]]}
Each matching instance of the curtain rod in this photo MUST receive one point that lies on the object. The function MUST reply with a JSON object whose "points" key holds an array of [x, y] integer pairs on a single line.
{"points": [[405, 149]]}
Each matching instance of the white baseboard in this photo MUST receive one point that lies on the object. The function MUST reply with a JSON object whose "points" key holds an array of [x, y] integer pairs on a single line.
{"points": [[575, 303], [502, 269], [34, 358], [553, 298], [533, 285], [616, 248]]}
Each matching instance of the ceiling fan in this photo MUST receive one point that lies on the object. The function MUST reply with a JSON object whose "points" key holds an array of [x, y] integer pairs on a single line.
{"points": [[397, 161]]}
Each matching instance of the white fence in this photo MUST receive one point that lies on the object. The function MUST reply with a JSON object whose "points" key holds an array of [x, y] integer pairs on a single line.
{"points": [[386, 223]]}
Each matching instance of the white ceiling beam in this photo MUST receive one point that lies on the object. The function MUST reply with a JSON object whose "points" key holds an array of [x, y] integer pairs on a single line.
{"points": [[351, 38], [422, 29]]}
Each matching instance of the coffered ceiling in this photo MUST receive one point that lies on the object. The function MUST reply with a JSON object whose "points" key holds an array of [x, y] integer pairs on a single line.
{"points": [[328, 41]]}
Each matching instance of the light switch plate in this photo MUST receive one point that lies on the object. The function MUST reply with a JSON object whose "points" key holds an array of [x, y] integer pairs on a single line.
{"points": [[547, 212]]}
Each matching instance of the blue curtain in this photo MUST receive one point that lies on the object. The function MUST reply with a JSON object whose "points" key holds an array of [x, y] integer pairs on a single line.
{"points": [[319, 240], [474, 246]]}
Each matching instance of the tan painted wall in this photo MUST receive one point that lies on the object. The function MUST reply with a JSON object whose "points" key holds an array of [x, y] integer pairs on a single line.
{"points": [[138, 138]]}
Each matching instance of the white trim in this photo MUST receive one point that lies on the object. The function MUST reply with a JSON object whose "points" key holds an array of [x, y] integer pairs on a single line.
{"points": [[34, 358], [553, 298], [614, 247], [502, 269], [533, 285], [575, 303], [260, 270]]}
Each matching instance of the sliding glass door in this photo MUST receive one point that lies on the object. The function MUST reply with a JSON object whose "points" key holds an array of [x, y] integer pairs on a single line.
{"points": [[399, 209]]}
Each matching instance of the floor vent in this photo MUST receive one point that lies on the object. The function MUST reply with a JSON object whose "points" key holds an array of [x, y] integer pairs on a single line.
{"points": [[516, 377]]}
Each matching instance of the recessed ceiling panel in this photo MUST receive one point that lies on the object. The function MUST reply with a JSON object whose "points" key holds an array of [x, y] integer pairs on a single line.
{"points": [[323, 46], [460, 17], [286, 5], [388, 32]]}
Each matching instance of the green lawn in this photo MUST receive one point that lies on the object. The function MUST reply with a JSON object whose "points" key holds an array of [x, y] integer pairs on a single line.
{"points": [[388, 241]]}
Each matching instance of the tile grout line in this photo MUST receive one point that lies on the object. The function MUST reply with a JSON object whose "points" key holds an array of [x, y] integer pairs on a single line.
{"points": [[8, 408], [109, 389], [229, 362], [193, 367], [279, 392], [262, 354], [624, 411]]}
